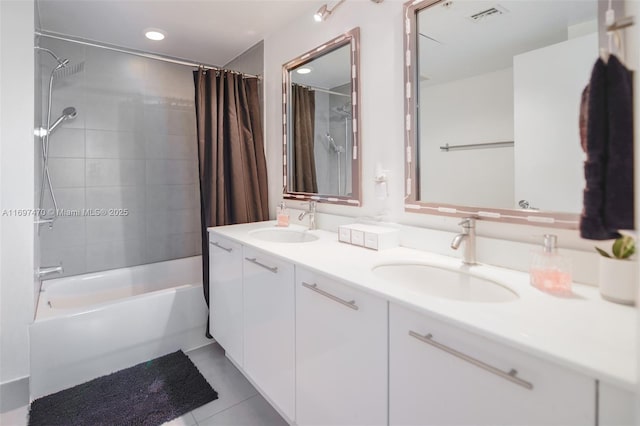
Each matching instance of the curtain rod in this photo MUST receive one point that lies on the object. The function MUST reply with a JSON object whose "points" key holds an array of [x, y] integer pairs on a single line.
{"points": [[323, 90], [141, 53]]}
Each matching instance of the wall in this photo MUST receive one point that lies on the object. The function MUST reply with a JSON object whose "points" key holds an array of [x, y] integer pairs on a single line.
{"points": [[382, 82], [16, 186], [468, 111], [132, 147], [381, 85]]}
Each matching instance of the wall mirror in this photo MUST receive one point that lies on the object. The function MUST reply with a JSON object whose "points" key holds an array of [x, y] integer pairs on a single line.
{"points": [[493, 91], [321, 137]]}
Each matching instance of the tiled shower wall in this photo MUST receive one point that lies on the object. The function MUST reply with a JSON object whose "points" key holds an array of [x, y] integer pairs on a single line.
{"points": [[131, 150]]}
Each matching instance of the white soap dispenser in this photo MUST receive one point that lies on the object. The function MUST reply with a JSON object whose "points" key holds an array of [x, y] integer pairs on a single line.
{"points": [[550, 271]]}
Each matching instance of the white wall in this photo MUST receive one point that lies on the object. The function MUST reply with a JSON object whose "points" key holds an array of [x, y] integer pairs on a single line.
{"points": [[16, 185], [468, 111], [381, 99], [381, 59]]}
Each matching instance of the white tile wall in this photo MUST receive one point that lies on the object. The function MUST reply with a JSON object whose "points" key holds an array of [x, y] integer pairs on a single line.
{"points": [[66, 142], [67, 172], [113, 144], [132, 146], [115, 172]]}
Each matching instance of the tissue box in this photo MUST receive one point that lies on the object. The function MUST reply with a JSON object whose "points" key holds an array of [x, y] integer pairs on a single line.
{"points": [[370, 236]]}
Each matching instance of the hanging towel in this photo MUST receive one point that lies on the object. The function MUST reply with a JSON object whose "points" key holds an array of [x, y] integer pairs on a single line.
{"points": [[618, 181], [591, 220]]}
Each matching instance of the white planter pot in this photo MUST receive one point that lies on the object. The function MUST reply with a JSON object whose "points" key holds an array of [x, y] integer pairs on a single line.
{"points": [[618, 280]]}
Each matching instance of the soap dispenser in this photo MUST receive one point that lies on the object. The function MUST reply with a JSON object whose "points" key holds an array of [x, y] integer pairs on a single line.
{"points": [[550, 271], [283, 215]]}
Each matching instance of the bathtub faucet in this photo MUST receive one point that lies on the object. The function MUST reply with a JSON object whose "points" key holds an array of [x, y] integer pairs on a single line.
{"points": [[48, 270]]}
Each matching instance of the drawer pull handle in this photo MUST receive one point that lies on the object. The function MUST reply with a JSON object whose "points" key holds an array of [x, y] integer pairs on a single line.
{"points": [[253, 260], [217, 244], [510, 375], [349, 304]]}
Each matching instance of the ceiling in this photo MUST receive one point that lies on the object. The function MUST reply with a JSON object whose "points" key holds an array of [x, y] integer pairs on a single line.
{"points": [[452, 46], [211, 32]]}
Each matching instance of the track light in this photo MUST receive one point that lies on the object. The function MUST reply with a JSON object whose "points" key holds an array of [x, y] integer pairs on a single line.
{"points": [[324, 12]]}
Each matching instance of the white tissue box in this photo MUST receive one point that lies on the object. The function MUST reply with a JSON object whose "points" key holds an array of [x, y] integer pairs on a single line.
{"points": [[370, 236]]}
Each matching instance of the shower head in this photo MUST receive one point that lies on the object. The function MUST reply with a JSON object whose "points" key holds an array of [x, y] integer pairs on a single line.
{"points": [[69, 113], [61, 62]]}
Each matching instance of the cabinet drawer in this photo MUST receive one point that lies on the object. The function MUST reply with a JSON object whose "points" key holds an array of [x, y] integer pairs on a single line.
{"points": [[442, 375]]}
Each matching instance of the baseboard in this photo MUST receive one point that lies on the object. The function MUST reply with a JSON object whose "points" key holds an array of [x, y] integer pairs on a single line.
{"points": [[14, 394]]}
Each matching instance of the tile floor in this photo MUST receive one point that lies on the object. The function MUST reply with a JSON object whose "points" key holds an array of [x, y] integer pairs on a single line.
{"points": [[238, 403]]}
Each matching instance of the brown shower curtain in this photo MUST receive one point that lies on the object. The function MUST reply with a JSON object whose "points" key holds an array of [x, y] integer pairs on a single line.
{"points": [[232, 164], [303, 102]]}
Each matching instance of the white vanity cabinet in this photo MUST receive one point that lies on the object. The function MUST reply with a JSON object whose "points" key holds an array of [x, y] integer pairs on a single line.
{"points": [[225, 295], [341, 353], [615, 406], [269, 315], [442, 375]]}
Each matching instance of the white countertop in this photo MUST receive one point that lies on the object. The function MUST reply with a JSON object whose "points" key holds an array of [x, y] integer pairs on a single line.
{"points": [[583, 332]]}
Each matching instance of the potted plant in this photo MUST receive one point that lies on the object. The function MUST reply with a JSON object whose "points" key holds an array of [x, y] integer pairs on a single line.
{"points": [[618, 272]]}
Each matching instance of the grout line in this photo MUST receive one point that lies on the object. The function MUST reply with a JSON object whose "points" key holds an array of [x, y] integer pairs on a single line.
{"points": [[230, 407]]}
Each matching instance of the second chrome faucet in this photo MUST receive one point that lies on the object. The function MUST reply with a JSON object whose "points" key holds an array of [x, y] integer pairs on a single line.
{"points": [[312, 215], [468, 236]]}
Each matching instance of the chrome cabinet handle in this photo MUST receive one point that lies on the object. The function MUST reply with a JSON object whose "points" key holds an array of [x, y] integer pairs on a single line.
{"points": [[217, 244], [349, 304], [253, 260], [510, 375]]}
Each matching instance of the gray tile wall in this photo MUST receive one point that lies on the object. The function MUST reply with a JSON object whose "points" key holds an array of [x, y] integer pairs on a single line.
{"points": [[132, 146]]}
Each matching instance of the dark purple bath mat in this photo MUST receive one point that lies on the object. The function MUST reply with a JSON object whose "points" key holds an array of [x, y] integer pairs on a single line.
{"points": [[149, 394]]}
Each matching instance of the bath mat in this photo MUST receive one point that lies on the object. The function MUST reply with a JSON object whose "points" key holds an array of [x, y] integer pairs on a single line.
{"points": [[149, 394]]}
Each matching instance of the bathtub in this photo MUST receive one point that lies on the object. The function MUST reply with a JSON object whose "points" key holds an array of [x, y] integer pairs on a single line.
{"points": [[90, 325]]}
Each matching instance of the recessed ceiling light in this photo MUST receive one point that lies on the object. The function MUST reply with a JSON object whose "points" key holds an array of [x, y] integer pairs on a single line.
{"points": [[304, 70], [154, 34]]}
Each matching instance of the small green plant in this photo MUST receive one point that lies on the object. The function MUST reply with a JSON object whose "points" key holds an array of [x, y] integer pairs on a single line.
{"points": [[623, 248]]}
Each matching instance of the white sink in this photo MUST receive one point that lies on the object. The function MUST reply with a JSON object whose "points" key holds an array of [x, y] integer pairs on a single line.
{"points": [[445, 283], [284, 235]]}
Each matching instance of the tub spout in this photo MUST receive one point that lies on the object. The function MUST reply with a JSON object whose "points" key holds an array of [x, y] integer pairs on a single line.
{"points": [[48, 270]]}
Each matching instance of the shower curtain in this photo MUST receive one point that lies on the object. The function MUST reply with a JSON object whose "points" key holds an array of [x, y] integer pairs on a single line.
{"points": [[232, 164], [303, 105]]}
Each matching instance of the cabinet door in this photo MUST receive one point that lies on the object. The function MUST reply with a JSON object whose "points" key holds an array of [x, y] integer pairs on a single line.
{"points": [[453, 377], [341, 354], [616, 406], [225, 295], [269, 327]]}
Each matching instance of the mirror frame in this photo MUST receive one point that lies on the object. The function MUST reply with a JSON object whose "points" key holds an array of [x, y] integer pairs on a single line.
{"points": [[351, 38], [412, 173]]}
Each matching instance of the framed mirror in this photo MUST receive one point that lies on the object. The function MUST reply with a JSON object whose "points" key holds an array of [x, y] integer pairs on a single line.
{"points": [[492, 107], [320, 123]]}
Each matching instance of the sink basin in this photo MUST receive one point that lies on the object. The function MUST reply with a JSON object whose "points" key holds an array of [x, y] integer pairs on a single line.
{"points": [[284, 235], [445, 283]]}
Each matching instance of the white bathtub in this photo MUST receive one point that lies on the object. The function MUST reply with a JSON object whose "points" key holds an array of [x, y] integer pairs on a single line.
{"points": [[90, 325]]}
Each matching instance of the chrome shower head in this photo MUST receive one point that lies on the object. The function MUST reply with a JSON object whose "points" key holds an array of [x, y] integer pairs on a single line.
{"points": [[69, 113], [61, 62]]}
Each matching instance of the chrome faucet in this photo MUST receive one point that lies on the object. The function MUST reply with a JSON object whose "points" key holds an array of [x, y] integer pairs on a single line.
{"points": [[48, 270], [469, 237], [312, 215]]}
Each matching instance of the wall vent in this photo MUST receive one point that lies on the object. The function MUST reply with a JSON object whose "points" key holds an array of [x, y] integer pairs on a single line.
{"points": [[488, 13]]}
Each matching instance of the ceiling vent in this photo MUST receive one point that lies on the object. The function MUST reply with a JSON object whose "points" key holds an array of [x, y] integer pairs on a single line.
{"points": [[488, 13]]}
